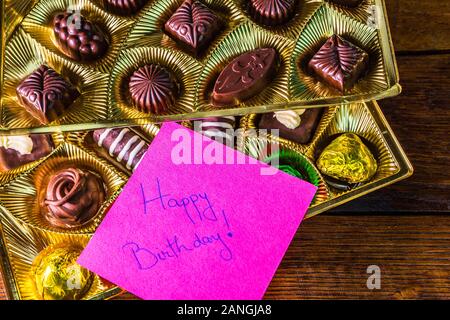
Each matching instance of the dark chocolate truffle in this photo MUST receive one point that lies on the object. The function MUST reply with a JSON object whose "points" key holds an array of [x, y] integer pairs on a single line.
{"points": [[244, 77], [220, 129], [16, 151], [45, 94], [339, 63], [73, 196], [78, 38], [122, 144], [152, 89], [272, 12], [193, 26], [297, 126], [347, 3], [124, 7]]}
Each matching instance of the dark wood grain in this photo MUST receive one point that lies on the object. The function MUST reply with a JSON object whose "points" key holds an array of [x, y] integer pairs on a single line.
{"points": [[419, 25], [404, 228]]}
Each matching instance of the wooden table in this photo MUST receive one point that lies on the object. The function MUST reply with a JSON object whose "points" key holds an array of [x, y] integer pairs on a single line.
{"points": [[404, 229]]}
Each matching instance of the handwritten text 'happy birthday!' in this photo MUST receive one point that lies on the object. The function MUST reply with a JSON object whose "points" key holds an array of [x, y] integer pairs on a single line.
{"points": [[196, 209]]}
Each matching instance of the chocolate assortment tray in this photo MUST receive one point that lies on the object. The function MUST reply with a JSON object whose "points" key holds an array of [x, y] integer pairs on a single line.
{"points": [[84, 64], [50, 207]]}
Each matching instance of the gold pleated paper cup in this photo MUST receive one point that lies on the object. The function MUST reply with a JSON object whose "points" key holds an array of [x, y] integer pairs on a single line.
{"points": [[149, 30], [84, 140], [356, 118], [23, 245], [246, 37], [9, 175], [39, 24], [24, 195], [364, 12], [250, 122], [303, 85], [303, 11], [15, 11], [23, 55], [184, 69]]}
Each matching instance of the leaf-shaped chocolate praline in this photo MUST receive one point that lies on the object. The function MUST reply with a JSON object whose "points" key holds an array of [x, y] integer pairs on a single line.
{"points": [[45, 94], [272, 12], [244, 77], [339, 63], [152, 89], [193, 26]]}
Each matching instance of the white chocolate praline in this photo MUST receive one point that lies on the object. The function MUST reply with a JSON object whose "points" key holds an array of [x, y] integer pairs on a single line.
{"points": [[289, 118], [22, 144]]}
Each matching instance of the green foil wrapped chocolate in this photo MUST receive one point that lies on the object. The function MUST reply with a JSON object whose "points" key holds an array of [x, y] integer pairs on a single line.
{"points": [[295, 164], [292, 171], [57, 276], [347, 159]]}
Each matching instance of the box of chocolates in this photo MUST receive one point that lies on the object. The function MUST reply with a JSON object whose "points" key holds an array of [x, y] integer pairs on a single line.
{"points": [[84, 64], [54, 198]]}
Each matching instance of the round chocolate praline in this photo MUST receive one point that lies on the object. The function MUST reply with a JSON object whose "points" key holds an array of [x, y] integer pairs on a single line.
{"points": [[73, 197], [272, 12], [152, 89], [57, 276]]}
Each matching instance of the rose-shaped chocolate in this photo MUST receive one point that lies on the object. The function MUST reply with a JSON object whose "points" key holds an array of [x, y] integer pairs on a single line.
{"points": [[73, 197]]}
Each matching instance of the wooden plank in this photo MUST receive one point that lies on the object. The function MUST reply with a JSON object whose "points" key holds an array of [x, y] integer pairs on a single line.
{"points": [[330, 255], [419, 25], [420, 118]]}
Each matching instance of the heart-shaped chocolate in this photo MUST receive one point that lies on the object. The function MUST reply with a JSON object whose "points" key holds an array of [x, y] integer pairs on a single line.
{"points": [[347, 159], [193, 26], [45, 94]]}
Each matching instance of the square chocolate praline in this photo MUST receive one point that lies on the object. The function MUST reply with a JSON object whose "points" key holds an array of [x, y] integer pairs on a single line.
{"points": [[339, 63], [45, 94], [193, 26], [302, 134]]}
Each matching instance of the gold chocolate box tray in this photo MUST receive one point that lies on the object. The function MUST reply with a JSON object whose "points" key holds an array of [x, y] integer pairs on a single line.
{"points": [[24, 232], [103, 99]]}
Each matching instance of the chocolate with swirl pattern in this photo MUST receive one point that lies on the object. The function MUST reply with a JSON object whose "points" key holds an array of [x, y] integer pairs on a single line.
{"points": [[45, 94], [272, 12], [73, 197], [339, 63], [152, 89], [193, 26]]}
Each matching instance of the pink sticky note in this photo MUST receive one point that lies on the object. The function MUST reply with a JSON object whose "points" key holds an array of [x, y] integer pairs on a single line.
{"points": [[197, 231]]}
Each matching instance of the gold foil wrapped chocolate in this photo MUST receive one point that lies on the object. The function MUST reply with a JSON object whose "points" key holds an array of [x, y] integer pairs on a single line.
{"points": [[347, 159], [57, 276]]}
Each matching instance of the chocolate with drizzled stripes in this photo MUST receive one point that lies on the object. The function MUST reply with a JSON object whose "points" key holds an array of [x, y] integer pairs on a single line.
{"points": [[220, 129], [123, 144]]}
